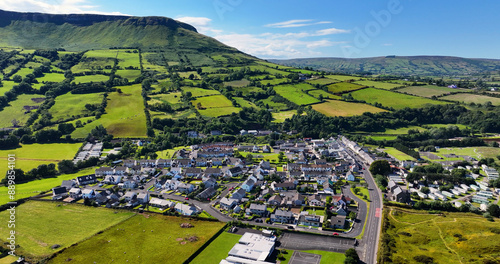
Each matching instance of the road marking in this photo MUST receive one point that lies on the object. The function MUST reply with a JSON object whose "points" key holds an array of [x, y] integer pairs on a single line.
{"points": [[377, 212]]}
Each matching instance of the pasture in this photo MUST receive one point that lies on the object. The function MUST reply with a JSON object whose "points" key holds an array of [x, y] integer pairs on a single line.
{"points": [[403, 130], [219, 111], [131, 75], [381, 85], [250, 89], [189, 113], [91, 78], [295, 94], [280, 117], [472, 98], [342, 78], [51, 77], [341, 108], [392, 99], [127, 58], [401, 156], [321, 81], [40, 225], [6, 86], [275, 81], [343, 87], [145, 238], [17, 109], [171, 98], [124, 115], [244, 103], [198, 92], [429, 90], [214, 101], [274, 105], [325, 95], [238, 83], [440, 238], [71, 105]]}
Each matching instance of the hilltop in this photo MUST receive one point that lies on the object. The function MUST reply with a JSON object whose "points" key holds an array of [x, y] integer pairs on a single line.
{"points": [[399, 65]]}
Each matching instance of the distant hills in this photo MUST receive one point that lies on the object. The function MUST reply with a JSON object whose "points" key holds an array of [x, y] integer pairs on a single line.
{"points": [[79, 32], [399, 65]]}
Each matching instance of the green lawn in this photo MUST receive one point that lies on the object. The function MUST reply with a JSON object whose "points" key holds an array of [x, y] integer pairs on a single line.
{"points": [[316, 212], [429, 90], [147, 238], [16, 111], [398, 154], [392, 99], [341, 108], [40, 225], [91, 78], [71, 105], [124, 115], [296, 94], [328, 257], [218, 249], [472, 98]]}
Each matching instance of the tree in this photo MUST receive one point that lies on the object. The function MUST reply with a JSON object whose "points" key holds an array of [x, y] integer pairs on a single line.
{"points": [[494, 210], [380, 167], [351, 256], [17, 78], [66, 166]]}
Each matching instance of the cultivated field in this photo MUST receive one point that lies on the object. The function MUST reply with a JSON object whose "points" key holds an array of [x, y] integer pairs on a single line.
{"points": [[171, 98], [274, 105], [91, 78], [341, 108], [239, 83], [472, 98], [131, 75], [124, 115], [40, 225], [321, 81], [148, 238], [51, 77], [343, 87], [244, 103], [429, 90], [381, 85], [391, 99], [214, 101], [127, 58], [295, 94], [281, 116], [16, 109], [317, 93], [70, 105], [438, 238], [197, 92], [342, 77]]}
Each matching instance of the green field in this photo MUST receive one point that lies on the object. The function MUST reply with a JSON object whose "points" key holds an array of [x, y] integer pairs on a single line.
{"points": [[321, 81], [274, 81], [70, 105], [238, 83], [342, 78], [244, 103], [274, 105], [40, 225], [144, 238], [381, 138], [343, 87], [398, 154], [403, 130], [16, 111], [171, 98], [96, 60], [295, 94], [198, 92], [127, 58], [91, 78], [131, 75], [429, 90], [341, 108], [391, 99], [219, 111], [218, 249], [326, 257], [381, 85], [7, 86], [189, 113], [52, 77], [448, 238], [250, 89], [325, 95], [124, 115], [280, 117], [214, 101], [475, 152], [472, 98]]}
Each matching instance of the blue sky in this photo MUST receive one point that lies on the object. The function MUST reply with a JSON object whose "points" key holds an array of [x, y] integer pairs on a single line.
{"points": [[322, 28]]}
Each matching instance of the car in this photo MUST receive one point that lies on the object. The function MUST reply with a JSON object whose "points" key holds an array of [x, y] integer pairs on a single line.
{"points": [[335, 234], [100, 185], [187, 198], [290, 227]]}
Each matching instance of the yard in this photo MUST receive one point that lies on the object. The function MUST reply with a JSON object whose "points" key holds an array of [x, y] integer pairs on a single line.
{"points": [[40, 225], [144, 238], [341, 108]]}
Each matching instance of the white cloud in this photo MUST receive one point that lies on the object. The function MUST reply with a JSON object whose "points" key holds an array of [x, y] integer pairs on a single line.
{"points": [[330, 31], [296, 23], [53, 7], [202, 24]]}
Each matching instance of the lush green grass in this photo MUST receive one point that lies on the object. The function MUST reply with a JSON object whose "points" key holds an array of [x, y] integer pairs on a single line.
{"points": [[460, 126], [437, 236], [280, 117], [91, 78], [391, 99], [403, 130], [475, 152], [274, 81], [127, 58], [124, 115], [52, 77], [215, 101], [295, 94], [325, 95], [250, 89], [219, 111], [171, 98], [218, 249], [238, 83], [429, 90], [472, 98], [190, 113], [39, 225], [7, 86], [131, 75], [381, 138], [381, 85], [197, 92], [398, 154], [321, 81], [342, 78], [244, 103], [143, 239], [341, 108], [343, 87], [328, 257], [274, 105], [15, 110], [68, 105], [8, 259], [316, 212]]}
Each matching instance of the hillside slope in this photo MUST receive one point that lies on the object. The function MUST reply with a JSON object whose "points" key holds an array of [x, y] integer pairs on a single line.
{"points": [[399, 65]]}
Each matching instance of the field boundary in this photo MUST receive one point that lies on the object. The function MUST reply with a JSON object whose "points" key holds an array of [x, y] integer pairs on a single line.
{"points": [[205, 245]]}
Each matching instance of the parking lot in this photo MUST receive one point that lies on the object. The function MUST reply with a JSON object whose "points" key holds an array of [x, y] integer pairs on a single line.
{"points": [[300, 241]]}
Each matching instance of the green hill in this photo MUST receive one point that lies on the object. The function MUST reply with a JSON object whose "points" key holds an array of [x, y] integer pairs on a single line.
{"points": [[399, 65]]}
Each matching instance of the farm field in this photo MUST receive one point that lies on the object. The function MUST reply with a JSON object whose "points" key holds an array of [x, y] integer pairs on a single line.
{"points": [[403, 130], [171, 98], [214, 101], [218, 249], [91, 78], [250, 89], [274, 105], [460, 126], [238, 83], [295, 94], [244, 103], [16, 111], [145, 238], [391, 99], [189, 113], [317, 93], [343, 87], [51, 77], [280, 117], [7, 86], [124, 115], [274, 81], [475, 152], [198, 92], [131, 75], [381, 85], [341, 108], [219, 111], [382, 138], [429, 90], [40, 225], [69, 105], [342, 78], [472, 98], [321, 81], [401, 156], [448, 238], [129, 58]]}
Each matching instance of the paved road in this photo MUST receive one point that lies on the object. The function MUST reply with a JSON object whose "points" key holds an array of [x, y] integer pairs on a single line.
{"points": [[361, 217]]}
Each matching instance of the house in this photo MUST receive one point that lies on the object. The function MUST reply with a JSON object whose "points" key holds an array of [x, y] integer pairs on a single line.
{"points": [[310, 220], [207, 193], [275, 200], [216, 162], [129, 163], [88, 193], [103, 171], [192, 134], [192, 172], [121, 170], [341, 210], [59, 193], [200, 162], [350, 176], [186, 209], [185, 187], [128, 184], [288, 185], [402, 196], [134, 170], [68, 184], [172, 184], [228, 204], [281, 216], [183, 163], [75, 193], [215, 132], [315, 200], [258, 209], [161, 203], [239, 194], [340, 200], [212, 172], [112, 179], [265, 164], [266, 149], [337, 221], [209, 182], [233, 172], [143, 198], [84, 180], [249, 184], [296, 200], [101, 197], [327, 188], [163, 163]]}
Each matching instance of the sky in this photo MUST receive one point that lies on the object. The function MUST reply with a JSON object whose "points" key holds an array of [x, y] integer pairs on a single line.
{"points": [[321, 28]]}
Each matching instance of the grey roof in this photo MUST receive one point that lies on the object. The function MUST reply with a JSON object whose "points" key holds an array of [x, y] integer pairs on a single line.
{"points": [[260, 207]]}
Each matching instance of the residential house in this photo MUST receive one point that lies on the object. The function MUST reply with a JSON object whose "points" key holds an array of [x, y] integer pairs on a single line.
{"points": [[296, 200], [103, 171], [337, 221], [68, 184], [266, 149], [185, 187], [340, 200], [88, 193], [130, 196], [84, 180], [239, 194], [207, 193], [120, 170], [212, 172], [134, 170], [163, 163], [183, 163], [143, 197], [216, 162], [186, 209], [233, 172], [209, 182], [228, 204], [161, 203], [128, 184], [275, 200], [315, 200], [249, 184], [310, 220], [266, 165], [112, 179], [201, 162], [341, 210], [350, 176], [281, 216], [129, 163], [75, 193], [258, 209], [192, 172], [172, 184], [59, 193]]}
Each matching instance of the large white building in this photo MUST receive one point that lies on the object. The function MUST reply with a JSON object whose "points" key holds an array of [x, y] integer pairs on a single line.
{"points": [[251, 249]]}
